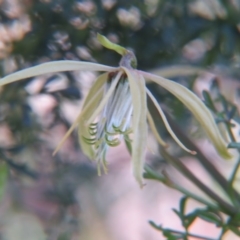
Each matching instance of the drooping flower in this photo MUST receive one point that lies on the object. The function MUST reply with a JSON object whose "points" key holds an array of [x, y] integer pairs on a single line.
{"points": [[115, 108]]}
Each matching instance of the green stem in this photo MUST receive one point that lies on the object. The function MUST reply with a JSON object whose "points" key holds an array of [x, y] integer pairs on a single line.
{"points": [[180, 233], [150, 174], [233, 139], [227, 208], [229, 129], [204, 161], [234, 173], [195, 197]]}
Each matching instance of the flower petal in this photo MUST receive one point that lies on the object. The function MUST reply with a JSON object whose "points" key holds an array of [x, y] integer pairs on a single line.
{"points": [[167, 124], [55, 66], [137, 88], [83, 131], [154, 130], [197, 107], [106, 98], [88, 106]]}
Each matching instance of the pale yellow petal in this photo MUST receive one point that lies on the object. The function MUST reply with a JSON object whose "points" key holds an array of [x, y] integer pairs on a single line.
{"points": [[67, 134], [83, 130], [155, 131], [197, 107], [105, 98], [52, 67], [165, 121], [138, 93], [88, 107]]}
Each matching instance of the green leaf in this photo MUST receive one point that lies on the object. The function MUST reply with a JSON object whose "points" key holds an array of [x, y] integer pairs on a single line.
{"points": [[189, 219], [186, 219], [178, 214], [169, 235], [182, 205], [153, 224], [224, 103], [166, 232], [151, 174], [208, 101], [210, 216]]}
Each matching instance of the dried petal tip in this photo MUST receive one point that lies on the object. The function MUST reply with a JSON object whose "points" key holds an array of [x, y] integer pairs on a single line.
{"points": [[193, 152], [110, 45]]}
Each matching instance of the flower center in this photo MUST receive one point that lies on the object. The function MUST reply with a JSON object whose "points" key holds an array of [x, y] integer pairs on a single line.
{"points": [[114, 122]]}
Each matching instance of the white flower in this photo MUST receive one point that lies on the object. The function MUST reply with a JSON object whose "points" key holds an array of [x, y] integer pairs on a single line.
{"points": [[116, 106]]}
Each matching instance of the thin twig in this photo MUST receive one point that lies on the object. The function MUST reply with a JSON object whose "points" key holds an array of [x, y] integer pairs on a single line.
{"points": [[170, 183], [179, 232], [227, 208], [235, 170], [21, 168], [209, 167], [234, 173]]}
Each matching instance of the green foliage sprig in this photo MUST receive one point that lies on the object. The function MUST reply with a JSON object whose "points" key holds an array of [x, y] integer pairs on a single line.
{"points": [[218, 207]]}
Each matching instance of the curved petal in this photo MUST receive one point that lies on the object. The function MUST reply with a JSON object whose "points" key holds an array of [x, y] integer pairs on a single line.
{"points": [[197, 107], [105, 98], [154, 130], [139, 100], [88, 106], [167, 124], [55, 66], [83, 130]]}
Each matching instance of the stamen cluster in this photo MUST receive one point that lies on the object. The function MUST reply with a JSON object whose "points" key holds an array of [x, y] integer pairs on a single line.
{"points": [[114, 121]]}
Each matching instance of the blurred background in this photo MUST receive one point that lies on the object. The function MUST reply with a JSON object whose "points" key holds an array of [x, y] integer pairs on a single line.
{"points": [[193, 42]]}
